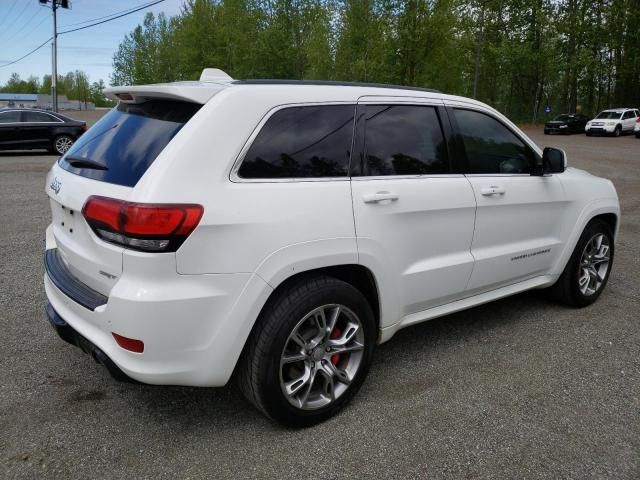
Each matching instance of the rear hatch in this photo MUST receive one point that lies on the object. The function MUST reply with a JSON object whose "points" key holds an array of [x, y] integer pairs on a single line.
{"points": [[107, 161]]}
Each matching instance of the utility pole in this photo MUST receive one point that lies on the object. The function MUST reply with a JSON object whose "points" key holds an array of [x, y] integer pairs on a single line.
{"points": [[54, 58], [479, 42], [55, 4]]}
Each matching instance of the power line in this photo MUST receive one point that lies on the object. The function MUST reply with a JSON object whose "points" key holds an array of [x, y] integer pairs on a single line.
{"points": [[27, 54], [28, 2], [151, 4], [96, 19], [4, 19], [142, 7], [24, 25]]}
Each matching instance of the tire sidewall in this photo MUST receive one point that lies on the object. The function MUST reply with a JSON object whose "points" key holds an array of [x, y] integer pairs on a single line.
{"points": [[274, 400]]}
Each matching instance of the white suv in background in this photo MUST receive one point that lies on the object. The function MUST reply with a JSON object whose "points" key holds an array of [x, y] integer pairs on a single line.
{"points": [[282, 229], [613, 122]]}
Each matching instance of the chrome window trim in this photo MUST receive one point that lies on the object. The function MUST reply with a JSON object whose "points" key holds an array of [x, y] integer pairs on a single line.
{"points": [[235, 178], [406, 177]]}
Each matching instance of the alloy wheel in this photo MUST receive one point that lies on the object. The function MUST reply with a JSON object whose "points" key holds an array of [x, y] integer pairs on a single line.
{"points": [[62, 144], [594, 264], [321, 357]]}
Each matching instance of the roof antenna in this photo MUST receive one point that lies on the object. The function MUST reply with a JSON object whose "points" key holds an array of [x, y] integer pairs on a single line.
{"points": [[214, 75]]}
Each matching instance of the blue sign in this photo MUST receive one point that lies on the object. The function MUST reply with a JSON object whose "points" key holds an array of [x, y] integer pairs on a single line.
{"points": [[547, 109]]}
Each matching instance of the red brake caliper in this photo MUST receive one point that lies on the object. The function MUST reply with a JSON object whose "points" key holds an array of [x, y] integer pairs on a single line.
{"points": [[335, 359]]}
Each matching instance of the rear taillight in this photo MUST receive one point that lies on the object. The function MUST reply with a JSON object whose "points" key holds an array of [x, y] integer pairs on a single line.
{"points": [[638, 120], [147, 227]]}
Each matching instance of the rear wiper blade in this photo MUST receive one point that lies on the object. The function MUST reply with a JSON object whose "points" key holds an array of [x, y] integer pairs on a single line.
{"points": [[80, 162]]}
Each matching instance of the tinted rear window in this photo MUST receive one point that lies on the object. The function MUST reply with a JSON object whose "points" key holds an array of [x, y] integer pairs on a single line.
{"points": [[302, 142], [128, 139]]}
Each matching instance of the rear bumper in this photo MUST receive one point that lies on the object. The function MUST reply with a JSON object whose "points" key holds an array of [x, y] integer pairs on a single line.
{"points": [[193, 326], [69, 335]]}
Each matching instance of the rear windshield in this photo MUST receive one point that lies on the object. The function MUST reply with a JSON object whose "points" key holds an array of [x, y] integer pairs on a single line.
{"points": [[125, 142]]}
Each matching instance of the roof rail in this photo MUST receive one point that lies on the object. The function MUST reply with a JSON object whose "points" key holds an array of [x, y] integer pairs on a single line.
{"points": [[329, 83]]}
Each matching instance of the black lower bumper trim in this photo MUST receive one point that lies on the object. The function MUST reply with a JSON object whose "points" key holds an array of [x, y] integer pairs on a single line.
{"points": [[67, 333], [73, 288]]}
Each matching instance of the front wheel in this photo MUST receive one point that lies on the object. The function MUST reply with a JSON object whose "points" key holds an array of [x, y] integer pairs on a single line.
{"points": [[587, 272], [617, 131], [62, 143], [310, 351]]}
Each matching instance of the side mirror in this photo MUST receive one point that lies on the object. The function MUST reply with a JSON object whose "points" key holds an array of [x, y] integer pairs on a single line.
{"points": [[554, 160]]}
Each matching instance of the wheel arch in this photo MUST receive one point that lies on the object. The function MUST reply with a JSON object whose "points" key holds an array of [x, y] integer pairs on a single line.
{"points": [[356, 275], [606, 210]]}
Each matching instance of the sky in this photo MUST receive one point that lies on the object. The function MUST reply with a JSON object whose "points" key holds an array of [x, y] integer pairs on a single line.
{"points": [[25, 24]]}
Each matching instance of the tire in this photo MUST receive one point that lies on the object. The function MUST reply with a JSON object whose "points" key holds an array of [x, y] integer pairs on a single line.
{"points": [[617, 131], [263, 377], [589, 134], [546, 132], [569, 289], [61, 144]]}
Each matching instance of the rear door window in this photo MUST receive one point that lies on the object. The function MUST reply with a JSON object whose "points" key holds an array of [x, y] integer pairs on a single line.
{"points": [[38, 117], [125, 142], [10, 117], [403, 140], [302, 142]]}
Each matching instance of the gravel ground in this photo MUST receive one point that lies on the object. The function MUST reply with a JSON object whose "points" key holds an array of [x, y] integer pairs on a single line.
{"points": [[520, 388]]}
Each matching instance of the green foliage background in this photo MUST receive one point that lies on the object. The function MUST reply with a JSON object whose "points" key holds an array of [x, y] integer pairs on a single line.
{"points": [[576, 55]]}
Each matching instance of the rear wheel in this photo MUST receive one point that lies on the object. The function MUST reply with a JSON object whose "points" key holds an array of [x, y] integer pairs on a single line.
{"points": [[62, 143], [310, 351], [587, 272]]}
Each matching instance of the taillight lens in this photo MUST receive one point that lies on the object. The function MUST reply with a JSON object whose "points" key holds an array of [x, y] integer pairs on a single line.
{"points": [[638, 120], [83, 127], [147, 227]]}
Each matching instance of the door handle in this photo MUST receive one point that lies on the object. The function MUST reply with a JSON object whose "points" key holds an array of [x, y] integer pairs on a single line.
{"points": [[379, 197], [492, 190]]}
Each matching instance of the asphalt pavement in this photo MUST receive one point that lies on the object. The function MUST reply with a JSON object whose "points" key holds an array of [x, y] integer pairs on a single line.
{"points": [[519, 388]]}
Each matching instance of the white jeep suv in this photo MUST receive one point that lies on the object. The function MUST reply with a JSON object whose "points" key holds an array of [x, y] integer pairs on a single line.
{"points": [[613, 122], [281, 229]]}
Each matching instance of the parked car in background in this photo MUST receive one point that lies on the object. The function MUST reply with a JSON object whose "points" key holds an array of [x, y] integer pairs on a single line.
{"points": [[615, 121], [28, 129], [566, 123]]}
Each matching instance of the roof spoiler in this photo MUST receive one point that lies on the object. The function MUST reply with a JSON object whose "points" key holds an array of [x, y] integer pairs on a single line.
{"points": [[212, 80]]}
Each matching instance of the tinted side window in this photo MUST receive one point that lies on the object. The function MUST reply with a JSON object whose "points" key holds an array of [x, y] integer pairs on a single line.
{"points": [[403, 140], [38, 117], [9, 117], [302, 142], [491, 147]]}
